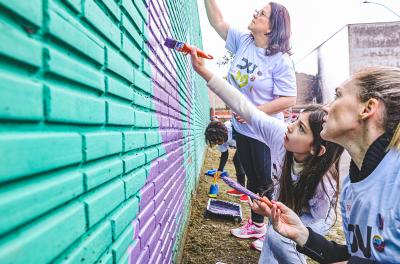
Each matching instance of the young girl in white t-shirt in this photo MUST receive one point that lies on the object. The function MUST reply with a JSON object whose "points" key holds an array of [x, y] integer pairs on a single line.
{"points": [[305, 165]]}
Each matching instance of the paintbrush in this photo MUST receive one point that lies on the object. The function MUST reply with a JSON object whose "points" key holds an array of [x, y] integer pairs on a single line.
{"points": [[243, 190], [183, 47]]}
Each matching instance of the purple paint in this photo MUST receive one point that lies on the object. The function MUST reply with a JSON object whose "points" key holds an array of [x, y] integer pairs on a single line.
{"points": [[143, 257], [224, 208], [151, 177], [135, 225], [165, 216], [156, 253], [145, 214], [159, 183], [159, 213], [165, 244], [135, 248], [155, 237], [168, 256], [164, 232], [159, 198], [163, 182], [157, 258], [172, 228], [240, 188], [146, 231], [146, 193]]}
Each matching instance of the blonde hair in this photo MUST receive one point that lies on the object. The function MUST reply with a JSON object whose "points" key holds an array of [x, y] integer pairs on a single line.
{"points": [[395, 141], [383, 83]]}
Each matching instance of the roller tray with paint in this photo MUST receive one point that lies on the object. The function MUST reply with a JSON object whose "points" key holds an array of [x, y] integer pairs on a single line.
{"points": [[224, 210]]}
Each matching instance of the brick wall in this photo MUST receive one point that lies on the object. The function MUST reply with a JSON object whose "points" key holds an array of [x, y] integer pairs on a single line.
{"points": [[101, 130]]}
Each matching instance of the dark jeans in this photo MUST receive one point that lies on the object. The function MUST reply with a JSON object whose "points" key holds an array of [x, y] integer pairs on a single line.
{"points": [[256, 160], [240, 174]]}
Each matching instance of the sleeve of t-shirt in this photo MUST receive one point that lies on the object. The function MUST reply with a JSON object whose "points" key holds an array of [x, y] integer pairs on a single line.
{"points": [[284, 77], [234, 39], [223, 147], [266, 129], [320, 249], [321, 202], [269, 130]]}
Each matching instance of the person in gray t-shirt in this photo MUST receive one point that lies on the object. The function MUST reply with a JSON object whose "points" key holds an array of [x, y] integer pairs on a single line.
{"points": [[218, 133]]}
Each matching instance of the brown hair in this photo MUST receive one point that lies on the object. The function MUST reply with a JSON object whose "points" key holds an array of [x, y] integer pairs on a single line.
{"points": [[216, 132], [383, 83], [279, 36], [296, 195]]}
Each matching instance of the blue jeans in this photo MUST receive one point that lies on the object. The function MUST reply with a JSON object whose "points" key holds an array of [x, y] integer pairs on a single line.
{"points": [[278, 249]]}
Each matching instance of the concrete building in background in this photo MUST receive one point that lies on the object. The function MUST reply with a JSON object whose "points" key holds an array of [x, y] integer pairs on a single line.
{"points": [[351, 48]]}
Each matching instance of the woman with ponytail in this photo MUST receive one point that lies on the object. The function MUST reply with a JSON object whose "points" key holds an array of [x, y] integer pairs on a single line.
{"points": [[364, 119]]}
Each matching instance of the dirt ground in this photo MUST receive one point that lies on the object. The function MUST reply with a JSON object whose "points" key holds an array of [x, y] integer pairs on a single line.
{"points": [[209, 240]]}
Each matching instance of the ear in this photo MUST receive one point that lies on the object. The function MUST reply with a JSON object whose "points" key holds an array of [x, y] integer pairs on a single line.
{"points": [[370, 108], [322, 151]]}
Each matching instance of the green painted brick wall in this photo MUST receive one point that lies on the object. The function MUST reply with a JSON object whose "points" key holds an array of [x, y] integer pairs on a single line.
{"points": [[101, 130]]}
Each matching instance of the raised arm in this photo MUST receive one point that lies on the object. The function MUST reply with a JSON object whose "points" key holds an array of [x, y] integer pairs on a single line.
{"points": [[266, 128], [216, 19]]}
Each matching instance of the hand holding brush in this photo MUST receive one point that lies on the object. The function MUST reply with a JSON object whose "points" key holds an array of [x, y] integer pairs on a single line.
{"points": [[185, 48], [243, 190]]}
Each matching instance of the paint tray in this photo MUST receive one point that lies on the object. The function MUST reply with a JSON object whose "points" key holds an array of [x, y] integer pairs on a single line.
{"points": [[224, 210]]}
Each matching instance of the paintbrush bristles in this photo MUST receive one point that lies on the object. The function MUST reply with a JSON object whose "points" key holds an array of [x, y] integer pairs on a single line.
{"points": [[170, 43], [240, 188]]}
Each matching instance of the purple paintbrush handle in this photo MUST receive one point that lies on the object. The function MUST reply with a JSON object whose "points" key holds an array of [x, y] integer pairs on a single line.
{"points": [[240, 188]]}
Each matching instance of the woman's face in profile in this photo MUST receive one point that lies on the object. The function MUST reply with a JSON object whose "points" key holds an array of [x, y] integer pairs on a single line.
{"points": [[260, 22], [342, 120]]}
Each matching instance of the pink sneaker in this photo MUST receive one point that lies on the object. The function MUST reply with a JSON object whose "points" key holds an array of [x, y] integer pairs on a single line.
{"points": [[244, 199], [234, 192], [249, 230], [258, 244]]}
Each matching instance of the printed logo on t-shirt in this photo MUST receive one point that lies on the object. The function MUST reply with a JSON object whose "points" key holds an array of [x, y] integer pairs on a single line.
{"points": [[242, 78], [246, 65], [348, 209], [357, 242]]}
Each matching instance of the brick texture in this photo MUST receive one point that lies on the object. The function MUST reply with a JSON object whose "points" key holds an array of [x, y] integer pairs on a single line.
{"points": [[101, 130]]}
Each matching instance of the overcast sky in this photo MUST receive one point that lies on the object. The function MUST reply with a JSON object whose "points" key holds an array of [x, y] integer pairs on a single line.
{"points": [[313, 21]]}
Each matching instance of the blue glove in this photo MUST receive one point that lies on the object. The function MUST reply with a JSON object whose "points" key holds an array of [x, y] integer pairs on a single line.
{"points": [[213, 171], [210, 172]]}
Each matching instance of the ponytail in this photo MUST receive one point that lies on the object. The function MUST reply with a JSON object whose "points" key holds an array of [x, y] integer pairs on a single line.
{"points": [[383, 83], [395, 141]]}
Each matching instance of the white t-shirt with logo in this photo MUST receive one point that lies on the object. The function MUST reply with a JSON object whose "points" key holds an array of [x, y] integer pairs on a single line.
{"points": [[259, 77]]}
